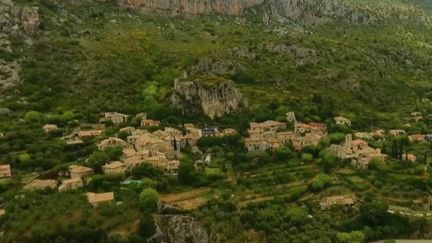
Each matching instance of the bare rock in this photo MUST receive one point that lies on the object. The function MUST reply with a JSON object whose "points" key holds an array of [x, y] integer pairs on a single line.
{"points": [[192, 7], [215, 100], [180, 229], [9, 74], [302, 55], [30, 19]]}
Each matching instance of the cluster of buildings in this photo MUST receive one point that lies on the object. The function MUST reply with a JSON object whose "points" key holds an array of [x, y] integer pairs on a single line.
{"points": [[271, 135], [358, 151]]}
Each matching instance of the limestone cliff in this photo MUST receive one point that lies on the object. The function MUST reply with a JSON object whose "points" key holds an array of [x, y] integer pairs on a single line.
{"points": [[214, 100], [302, 11], [193, 7], [180, 229]]}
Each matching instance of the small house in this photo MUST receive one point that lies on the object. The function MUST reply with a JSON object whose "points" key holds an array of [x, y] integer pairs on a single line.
{"points": [[97, 198], [5, 171]]}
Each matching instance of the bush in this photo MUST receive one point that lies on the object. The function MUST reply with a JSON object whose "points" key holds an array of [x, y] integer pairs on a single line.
{"points": [[306, 157], [149, 199]]}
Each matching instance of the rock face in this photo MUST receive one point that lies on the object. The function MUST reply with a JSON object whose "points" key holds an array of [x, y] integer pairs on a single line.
{"points": [[301, 11], [179, 229], [288, 9], [302, 55], [193, 7], [18, 22], [214, 100]]}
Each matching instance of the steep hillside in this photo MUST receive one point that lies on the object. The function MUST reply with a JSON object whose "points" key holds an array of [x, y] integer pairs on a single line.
{"points": [[205, 72], [326, 56]]}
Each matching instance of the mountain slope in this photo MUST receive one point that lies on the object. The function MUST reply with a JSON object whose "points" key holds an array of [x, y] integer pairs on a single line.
{"points": [[89, 57]]}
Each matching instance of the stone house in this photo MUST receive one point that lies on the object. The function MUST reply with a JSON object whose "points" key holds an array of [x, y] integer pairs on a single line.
{"points": [[89, 133], [73, 141], [301, 127], [70, 184], [409, 157], [378, 133], [115, 117], [96, 199], [41, 184], [128, 130], [150, 141], [150, 123], [5, 171], [317, 127], [172, 166], [141, 115], [135, 135], [49, 128], [253, 144], [285, 137], [115, 167], [302, 141], [340, 120], [414, 138], [358, 151], [339, 200], [78, 171], [132, 158], [363, 135], [397, 132], [226, 132], [111, 142], [266, 126]]}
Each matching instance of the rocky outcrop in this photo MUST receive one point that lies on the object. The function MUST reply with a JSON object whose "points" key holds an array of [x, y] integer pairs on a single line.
{"points": [[30, 19], [300, 54], [211, 66], [180, 229], [9, 74], [19, 22], [215, 100]]}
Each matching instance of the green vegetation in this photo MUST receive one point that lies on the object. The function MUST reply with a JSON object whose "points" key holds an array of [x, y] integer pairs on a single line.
{"points": [[92, 57]]}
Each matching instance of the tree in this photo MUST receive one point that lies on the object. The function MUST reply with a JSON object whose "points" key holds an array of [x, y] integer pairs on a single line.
{"points": [[147, 227], [329, 160], [352, 237], [186, 172], [374, 213], [148, 199], [283, 154], [97, 159], [320, 182], [33, 116], [306, 157]]}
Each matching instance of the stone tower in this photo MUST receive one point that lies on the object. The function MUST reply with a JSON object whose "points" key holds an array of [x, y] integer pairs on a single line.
{"points": [[291, 117], [348, 140]]}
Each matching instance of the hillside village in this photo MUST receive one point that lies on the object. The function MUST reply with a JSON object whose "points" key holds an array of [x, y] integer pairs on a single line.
{"points": [[287, 121], [161, 147]]}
